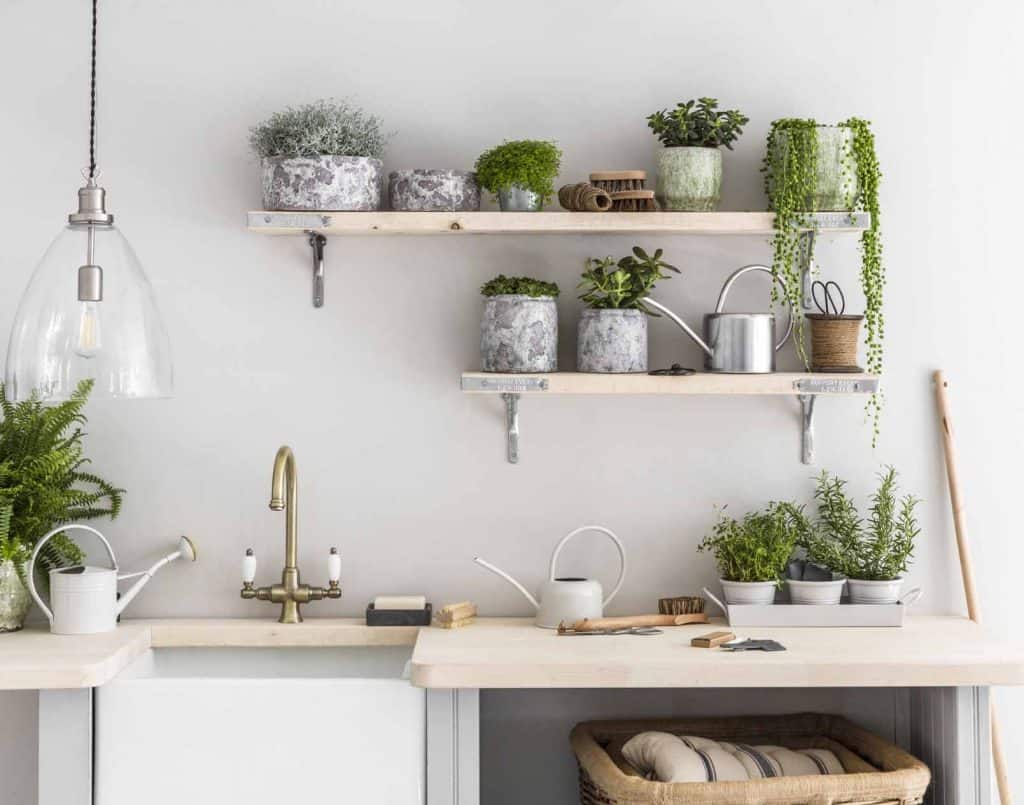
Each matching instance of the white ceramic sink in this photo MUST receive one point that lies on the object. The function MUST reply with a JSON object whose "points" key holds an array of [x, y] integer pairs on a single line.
{"points": [[196, 726]]}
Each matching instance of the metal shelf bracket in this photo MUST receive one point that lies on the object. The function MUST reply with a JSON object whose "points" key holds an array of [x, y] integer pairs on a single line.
{"points": [[511, 427], [317, 243], [807, 420]]}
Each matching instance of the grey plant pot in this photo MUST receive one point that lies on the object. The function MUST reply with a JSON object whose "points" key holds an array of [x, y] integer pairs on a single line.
{"points": [[336, 183], [425, 190], [519, 334], [14, 599], [611, 341], [519, 199], [689, 179], [835, 185]]}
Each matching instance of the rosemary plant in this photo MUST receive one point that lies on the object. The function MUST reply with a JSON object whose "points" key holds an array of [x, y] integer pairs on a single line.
{"points": [[623, 284], [758, 547]]}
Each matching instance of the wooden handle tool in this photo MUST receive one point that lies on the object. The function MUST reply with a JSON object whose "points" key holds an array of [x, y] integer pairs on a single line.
{"points": [[630, 621]]}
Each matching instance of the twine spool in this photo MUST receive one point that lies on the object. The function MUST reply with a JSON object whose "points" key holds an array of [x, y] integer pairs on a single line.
{"points": [[834, 341], [584, 197]]}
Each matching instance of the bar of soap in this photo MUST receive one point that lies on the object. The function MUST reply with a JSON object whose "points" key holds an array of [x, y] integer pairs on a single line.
{"points": [[399, 602]]}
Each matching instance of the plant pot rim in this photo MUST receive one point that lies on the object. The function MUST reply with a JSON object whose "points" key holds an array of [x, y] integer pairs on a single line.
{"points": [[615, 311], [518, 297], [727, 581], [875, 581], [428, 171], [321, 156], [706, 147], [831, 317], [800, 582]]}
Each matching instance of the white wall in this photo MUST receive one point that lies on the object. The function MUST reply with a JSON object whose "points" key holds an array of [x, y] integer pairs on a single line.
{"points": [[398, 468]]}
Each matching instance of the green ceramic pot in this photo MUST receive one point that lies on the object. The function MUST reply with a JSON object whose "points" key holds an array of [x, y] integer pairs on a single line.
{"points": [[689, 178], [835, 184], [14, 599]]}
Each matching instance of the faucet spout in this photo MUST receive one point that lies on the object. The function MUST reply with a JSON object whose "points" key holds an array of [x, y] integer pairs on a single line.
{"points": [[284, 495]]}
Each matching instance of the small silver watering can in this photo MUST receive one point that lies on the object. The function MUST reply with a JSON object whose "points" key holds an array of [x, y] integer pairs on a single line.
{"points": [[734, 343]]}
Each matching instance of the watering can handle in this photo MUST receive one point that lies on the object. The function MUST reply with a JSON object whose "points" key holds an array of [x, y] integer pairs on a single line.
{"points": [[30, 567], [618, 544], [735, 276]]}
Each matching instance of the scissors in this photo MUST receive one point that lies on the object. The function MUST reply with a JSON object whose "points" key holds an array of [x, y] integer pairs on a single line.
{"points": [[830, 308]]}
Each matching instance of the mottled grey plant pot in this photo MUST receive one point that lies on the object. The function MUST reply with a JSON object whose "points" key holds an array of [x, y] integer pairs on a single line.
{"points": [[835, 185], [14, 599], [613, 341], [423, 190], [689, 179], [322, 183], [519, 334], [519, 199]]}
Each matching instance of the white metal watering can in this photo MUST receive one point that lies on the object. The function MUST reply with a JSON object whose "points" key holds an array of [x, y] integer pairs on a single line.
{"points": [[84, 598], [567, 599]]}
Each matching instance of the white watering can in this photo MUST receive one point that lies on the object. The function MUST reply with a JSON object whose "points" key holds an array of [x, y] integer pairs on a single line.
{"points": [[567, 599], [84, 598]]}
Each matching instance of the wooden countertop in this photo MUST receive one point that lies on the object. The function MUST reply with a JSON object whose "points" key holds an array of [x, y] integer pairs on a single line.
{"points": [[512, 653]]}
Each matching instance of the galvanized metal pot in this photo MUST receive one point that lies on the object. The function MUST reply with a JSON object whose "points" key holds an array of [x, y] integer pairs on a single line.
{"points": [[863, 591], [14, 598], [611, 341], [338, 183], [519, 333], [689, 179], [835, 184], [423, 190], [519, 199]]}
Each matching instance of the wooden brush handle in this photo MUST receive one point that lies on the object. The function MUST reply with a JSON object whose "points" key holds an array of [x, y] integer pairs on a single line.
{"points": [[629, 621]]}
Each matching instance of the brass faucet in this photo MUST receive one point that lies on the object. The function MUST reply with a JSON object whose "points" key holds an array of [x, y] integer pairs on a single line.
{"points": [[284, 495]]}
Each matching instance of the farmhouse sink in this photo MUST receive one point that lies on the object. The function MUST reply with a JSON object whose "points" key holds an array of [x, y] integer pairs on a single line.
{"points": [[262, 725]]}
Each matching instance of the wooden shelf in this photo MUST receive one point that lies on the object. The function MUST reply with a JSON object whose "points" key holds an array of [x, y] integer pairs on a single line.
{"points": [[536, 223]]}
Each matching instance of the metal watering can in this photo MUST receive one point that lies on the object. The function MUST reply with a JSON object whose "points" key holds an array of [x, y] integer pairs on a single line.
{"points": [[84, 598], [734, 343]]}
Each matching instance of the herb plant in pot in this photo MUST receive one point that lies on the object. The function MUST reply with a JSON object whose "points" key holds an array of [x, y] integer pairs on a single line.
{"points": [[752, 553], [690, 164], [519, 329], [322, 156], [612, 332], [521, 173], [811, 580]]}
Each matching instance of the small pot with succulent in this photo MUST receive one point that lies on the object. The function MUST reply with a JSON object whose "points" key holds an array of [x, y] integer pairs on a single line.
{"points": [[42, 485], [752, 553], [612, 332], [519, 329], [873, 554], [324, 155], [521, 173], [690, 164]]}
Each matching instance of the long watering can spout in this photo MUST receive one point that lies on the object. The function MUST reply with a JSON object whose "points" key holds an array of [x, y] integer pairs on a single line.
{"points": [[498, 572], [186, 550], [679, 323]]}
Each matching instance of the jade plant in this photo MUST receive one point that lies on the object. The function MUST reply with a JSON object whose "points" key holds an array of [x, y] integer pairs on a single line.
{"points": [[530, 164], [697, 123], [608, 284], [791, 174], [519, 286], [324, 127], [759, 546]]}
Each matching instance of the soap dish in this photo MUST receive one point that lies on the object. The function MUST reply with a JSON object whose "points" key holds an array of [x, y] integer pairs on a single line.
{"points": [[398, 617]]}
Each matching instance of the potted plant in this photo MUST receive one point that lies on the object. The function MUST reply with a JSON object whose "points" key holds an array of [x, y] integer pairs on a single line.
{"points": [[811, 579], [43, 483], [521, 173], [874, 553], [690, 164], [519, 329], [752, 553], [612, 332], [324, 155], [433, 190], [811, 168]]}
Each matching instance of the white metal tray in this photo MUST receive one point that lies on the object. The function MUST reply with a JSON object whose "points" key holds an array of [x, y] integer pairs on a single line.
{"points": [[816, 614]]}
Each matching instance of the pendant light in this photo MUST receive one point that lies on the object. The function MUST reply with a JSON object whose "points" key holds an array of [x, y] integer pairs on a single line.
{"points": [[88, 310]]}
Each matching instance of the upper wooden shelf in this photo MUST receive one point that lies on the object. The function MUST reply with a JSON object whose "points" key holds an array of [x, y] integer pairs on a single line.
{"points": [[535, 223]]}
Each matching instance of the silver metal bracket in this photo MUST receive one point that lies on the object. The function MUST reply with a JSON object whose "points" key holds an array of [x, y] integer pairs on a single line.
{"points": [[510, 384], [317, 243], [836, 385], [512, 427], [807, 420]]}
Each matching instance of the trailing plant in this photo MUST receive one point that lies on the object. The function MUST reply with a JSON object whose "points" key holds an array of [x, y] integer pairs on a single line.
{"points": [[758, 547], [697, 123], [879, 548], [623, 285], [43, 482], [519, 286], [324, 127], [532, 164]]}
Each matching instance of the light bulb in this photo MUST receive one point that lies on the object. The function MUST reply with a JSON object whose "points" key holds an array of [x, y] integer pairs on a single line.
{"points": [[89, 340]]}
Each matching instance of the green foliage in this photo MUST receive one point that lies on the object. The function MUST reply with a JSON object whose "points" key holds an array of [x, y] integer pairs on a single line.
{"points": [[698, 123], [324, 127], [520, 286], [533, 164], [623, 285], [879, 548], [10, 549], [758, 547], [42, 480]]}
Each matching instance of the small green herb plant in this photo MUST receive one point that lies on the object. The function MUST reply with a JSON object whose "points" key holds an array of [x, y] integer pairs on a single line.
{"points": [[607, 284], [531, 164], [321, 128], [758, 547], [879, 548], [518, 286], [697, 123]]}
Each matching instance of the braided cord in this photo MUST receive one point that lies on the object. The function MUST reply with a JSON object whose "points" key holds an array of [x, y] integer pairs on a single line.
{"points": [[92, 99]]}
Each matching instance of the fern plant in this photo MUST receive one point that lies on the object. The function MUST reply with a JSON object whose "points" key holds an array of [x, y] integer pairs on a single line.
{"points": [[43, 480]]}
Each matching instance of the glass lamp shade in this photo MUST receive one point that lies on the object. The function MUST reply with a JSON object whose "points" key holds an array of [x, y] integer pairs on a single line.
{"points": [[119, 341]]}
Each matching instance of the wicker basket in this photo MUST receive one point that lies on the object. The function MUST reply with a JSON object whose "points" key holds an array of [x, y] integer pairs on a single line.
{"points": [[878, 772]]}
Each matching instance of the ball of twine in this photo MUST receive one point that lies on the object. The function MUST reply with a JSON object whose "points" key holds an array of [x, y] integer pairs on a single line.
{"points": [[834, 340]]}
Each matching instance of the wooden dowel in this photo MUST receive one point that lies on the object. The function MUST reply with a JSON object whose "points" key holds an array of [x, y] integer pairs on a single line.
{"points": [[629, 621]]}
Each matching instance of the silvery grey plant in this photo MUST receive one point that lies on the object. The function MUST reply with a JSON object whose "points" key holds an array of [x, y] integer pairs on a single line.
{"points": [[320, 128]]}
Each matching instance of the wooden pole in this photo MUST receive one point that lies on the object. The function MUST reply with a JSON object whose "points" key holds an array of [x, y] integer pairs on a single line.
{"points": [[967, 565]]}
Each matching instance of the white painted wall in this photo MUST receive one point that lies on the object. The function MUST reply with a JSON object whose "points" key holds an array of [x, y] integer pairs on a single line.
{"points": [[401, 471]]}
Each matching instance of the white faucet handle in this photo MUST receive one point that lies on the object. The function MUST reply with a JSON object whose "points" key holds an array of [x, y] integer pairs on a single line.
{"points": [[249, 566], [333, 566]]}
